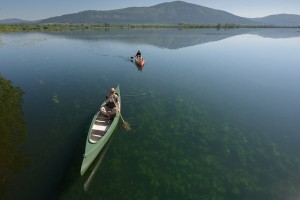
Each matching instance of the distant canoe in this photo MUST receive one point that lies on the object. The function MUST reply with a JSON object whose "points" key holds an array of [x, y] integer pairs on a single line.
{"points": [[140, 61], [99, 133]]}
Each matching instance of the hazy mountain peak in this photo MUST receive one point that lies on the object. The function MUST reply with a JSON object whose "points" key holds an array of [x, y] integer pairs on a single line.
{"points": [[166, 13], [12, 21]]}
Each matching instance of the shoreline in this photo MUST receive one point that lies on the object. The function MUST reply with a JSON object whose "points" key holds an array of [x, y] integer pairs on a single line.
{"points": [[5, 28]]}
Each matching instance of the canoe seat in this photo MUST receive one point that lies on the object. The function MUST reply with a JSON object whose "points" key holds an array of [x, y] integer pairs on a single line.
{"points": [[103, 121], [97, 132], [99, 127]]}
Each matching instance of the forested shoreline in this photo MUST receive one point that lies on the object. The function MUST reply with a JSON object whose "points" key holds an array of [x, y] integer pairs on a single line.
{"points": [[62, 27]]}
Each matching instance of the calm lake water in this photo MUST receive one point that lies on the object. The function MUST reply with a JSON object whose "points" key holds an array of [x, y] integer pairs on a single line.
{"points": [[215, 114]]}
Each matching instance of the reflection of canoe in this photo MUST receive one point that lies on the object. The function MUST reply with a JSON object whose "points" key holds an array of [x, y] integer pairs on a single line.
{"points": [[100, 131], [140, 61]]}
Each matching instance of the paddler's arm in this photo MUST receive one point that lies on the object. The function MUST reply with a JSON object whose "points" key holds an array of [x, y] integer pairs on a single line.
{"points": [[118, 106], [104, 102]]}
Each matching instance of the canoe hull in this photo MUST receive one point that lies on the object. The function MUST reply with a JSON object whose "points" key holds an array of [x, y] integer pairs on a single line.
{"points": [[88, 159], [140, 61], [102, 129]]}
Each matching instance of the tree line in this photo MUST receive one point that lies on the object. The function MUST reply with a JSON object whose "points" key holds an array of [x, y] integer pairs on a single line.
{"points": [[62, 27]]}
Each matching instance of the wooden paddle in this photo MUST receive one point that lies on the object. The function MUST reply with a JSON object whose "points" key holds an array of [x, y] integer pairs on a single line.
{"points": [[125, 124]]}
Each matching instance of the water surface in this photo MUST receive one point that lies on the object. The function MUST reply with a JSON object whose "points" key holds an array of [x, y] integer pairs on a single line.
{"points": [[215, 114]]}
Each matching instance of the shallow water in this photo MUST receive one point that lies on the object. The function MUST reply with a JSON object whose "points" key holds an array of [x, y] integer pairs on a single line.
{"points": [[215, 114]]}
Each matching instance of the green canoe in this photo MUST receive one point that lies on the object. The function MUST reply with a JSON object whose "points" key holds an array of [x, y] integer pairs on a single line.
{"points": [[99, 133]]}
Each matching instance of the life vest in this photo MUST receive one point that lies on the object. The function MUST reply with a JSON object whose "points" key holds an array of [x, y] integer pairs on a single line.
{"points": [[112, 101]]}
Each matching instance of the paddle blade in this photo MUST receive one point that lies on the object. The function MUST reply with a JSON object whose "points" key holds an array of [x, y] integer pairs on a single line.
{"points": [[127, 126]]}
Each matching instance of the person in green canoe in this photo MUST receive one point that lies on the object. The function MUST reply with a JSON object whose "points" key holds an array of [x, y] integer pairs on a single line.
{"points": [[111, 104]]}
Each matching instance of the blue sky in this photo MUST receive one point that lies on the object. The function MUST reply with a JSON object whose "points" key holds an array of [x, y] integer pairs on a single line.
{"points": [[40, 9]]}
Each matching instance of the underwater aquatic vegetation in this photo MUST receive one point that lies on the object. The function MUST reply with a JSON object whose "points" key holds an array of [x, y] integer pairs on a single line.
{"points": [[55, 99], [191, 155]]}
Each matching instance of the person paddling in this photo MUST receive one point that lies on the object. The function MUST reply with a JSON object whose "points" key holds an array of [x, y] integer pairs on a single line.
{"points": [[138, 54], [111, 104]]}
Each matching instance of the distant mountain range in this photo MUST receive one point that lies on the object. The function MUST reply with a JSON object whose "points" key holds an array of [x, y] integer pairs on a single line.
{"points": [[281, 19], [14, 21], [166, 13]]}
